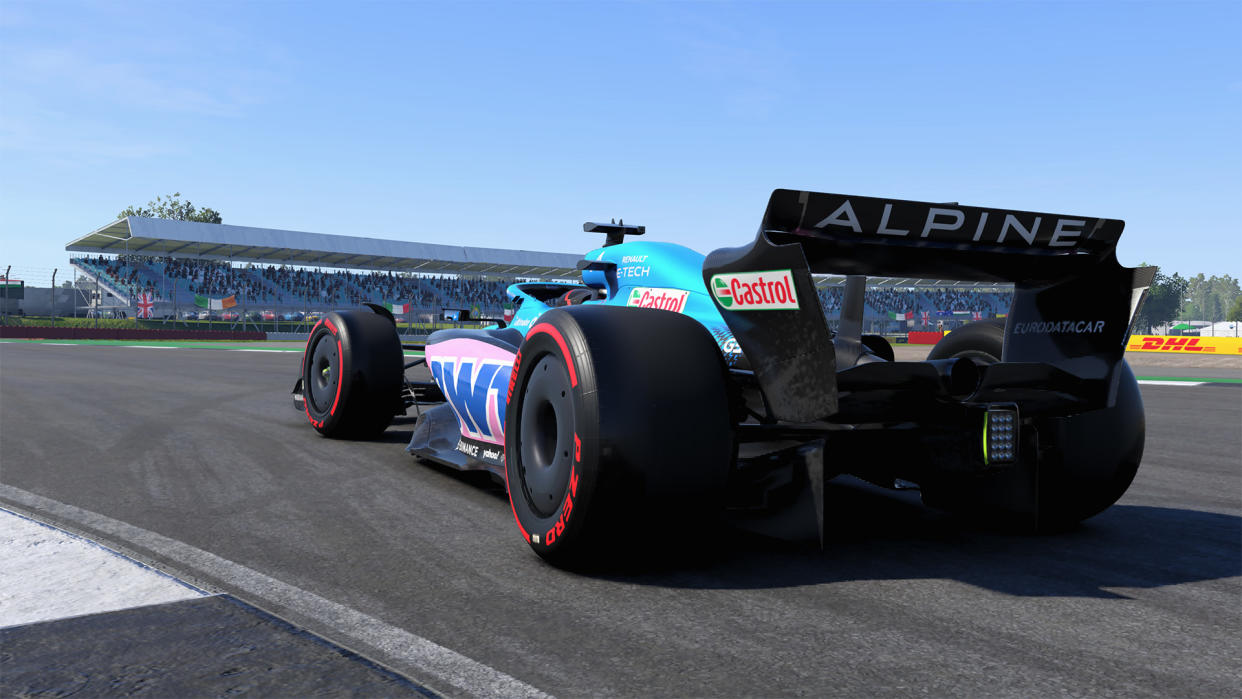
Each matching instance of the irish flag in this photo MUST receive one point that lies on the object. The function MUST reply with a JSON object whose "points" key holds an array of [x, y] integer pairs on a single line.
{"points": [[397, 308], [215, 304]]}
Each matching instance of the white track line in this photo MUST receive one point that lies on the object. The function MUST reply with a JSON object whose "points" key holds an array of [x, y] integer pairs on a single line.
{"points": [[397, 648], [1154, 382]]}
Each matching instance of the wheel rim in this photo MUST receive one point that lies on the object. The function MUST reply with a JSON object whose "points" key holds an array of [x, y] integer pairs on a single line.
{"points": [[546, 437], [323, 373]]}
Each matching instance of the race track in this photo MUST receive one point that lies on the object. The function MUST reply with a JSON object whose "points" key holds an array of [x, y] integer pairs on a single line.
{"points": [[194, 461]]}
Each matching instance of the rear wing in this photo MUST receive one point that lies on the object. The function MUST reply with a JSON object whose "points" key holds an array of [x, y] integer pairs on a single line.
{"points": [[845, 234], [1072, 307]]}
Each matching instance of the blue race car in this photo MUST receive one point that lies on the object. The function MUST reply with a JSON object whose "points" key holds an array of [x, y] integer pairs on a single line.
{"points": [[670, 390]]}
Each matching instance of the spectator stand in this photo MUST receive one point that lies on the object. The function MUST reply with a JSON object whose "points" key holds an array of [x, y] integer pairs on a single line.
{"points": [[894, 306], [296, 274], [273, 274]]}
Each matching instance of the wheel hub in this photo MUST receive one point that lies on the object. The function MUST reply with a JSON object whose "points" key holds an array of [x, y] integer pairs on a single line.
{"points": [[546, 439]]}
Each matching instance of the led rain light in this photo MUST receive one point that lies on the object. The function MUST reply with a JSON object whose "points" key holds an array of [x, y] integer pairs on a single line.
{"points": [[1000, 435]]}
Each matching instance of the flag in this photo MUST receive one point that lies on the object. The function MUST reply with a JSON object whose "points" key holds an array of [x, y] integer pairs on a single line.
{"points": [[961, 314], [977, 315], [926, 316], [908, 315], [146, 305], [215, 304], [509, 313], [397, 308]]}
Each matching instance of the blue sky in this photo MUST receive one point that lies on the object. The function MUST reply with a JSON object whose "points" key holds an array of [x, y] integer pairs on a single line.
{"points": [[509, 124]]}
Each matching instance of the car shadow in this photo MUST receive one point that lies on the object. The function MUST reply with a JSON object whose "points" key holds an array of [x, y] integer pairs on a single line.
{"points": [[872, 534]]}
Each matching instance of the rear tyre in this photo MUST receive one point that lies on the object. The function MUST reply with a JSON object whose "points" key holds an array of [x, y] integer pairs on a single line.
{"points": [[618, 435], [352, 373], [1096, 458], [981, 341], [1086, 461]]}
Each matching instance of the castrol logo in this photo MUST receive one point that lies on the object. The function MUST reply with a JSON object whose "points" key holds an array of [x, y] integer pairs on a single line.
{"points": [[664, 299], [756, 291]]}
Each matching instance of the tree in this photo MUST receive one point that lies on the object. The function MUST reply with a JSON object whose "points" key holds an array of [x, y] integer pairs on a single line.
{"points": [[175, 209], [1209, 298], [1235, 311], [1164, 301]]}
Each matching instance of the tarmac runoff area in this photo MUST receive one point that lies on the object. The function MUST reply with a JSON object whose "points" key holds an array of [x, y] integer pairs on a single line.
{"points": [[320, 567]]}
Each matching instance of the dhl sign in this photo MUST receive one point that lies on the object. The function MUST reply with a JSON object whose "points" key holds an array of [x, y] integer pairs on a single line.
{"points": [[1185, 345]]}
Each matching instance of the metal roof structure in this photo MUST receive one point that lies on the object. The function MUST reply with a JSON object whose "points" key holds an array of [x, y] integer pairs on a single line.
{"points": [[217, 241]]}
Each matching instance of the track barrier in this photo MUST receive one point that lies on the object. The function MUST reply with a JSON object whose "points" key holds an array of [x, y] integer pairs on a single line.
{"points": [[1185, 345], [49, 333]]}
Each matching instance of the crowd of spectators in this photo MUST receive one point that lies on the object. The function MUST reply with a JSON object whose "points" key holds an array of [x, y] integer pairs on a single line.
{"points": [[933, 301], [301, 287], [294, 286]]}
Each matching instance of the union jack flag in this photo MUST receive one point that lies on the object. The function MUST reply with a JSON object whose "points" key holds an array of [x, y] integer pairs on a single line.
{"points": [[926, 315], [978, 315], [146, 305]]}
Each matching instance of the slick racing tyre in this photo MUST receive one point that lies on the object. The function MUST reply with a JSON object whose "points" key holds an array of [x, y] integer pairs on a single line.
{"points": [[617, 431], [1095, 458], [980, 341], [1085, 461], [352, 374]]}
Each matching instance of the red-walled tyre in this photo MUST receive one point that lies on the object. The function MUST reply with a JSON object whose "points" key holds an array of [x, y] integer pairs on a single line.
{"points": [[352, 374], [617, 431]]}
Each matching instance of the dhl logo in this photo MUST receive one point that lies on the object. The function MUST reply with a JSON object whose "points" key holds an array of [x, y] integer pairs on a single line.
{"points": [[1203, 345]]}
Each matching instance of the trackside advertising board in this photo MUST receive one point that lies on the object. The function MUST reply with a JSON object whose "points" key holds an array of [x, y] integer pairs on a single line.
{"points": [[1185, 345]]}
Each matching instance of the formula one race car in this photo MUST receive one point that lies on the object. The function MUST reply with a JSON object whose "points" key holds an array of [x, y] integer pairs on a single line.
{"points": [[670, 389]]}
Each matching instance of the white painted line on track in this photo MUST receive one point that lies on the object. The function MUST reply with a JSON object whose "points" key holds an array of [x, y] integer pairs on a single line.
{"points": [[48, 574], [1154, 382], [405, 652]]}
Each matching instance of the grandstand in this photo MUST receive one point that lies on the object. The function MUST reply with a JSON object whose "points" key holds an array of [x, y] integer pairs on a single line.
{"points": [[894, 305], [285, 272], [289, 274]]}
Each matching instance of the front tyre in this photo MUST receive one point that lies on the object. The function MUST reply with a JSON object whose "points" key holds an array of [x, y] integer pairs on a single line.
{"points": [[352, 374], [618, 431]]}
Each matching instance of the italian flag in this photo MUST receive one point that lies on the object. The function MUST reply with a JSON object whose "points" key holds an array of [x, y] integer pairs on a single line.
{"points": [[397, 308], [901, 316], [215, 304]]}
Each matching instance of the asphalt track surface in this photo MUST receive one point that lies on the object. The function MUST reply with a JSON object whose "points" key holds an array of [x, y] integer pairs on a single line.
{"points": [[193, 460]]}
